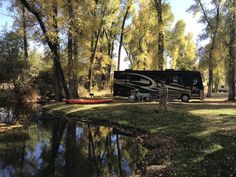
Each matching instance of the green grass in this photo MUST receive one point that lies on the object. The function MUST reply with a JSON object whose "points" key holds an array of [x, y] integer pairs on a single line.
{"points": [[205, 133]]}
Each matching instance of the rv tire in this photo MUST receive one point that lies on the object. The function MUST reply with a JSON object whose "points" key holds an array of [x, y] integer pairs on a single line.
{"points": [[185, 97]]}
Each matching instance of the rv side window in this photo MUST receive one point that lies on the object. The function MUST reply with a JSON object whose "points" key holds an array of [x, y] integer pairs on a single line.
{"points": [[177, 79]]}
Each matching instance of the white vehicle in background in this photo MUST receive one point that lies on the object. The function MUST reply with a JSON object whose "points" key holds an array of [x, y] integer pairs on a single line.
{"points": [[223, 88]]}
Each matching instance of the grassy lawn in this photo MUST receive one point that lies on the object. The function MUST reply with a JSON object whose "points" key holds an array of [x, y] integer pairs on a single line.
{"points": [[205, 133]]}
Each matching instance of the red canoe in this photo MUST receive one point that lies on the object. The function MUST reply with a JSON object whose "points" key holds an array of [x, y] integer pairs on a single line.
{"points": [[87, 101]]}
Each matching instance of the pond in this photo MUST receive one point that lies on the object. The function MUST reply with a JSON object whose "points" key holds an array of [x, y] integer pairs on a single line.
{"points": [[59, 147]]}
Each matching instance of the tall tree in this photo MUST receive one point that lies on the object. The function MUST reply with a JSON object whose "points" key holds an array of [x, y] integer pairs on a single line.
{"points": [[20, 23], [72, 48], [161, 47], [52, 43], [94, 45], [127, 7], [110, 36], [26, 55], [232, 47], [181, 47], [55, 36], [11, 65], [177, 39], [103, 15], [139, 43], [211, 17]]}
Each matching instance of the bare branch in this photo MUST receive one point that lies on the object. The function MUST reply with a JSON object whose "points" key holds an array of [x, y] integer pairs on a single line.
{"points": [[205, 14], [7, 15]]}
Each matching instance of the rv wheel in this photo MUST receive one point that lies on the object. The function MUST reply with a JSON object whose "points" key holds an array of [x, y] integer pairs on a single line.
{"points": [[185, 97]]}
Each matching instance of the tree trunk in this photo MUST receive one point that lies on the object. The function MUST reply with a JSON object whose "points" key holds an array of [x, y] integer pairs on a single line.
{"points": [[72, 50], [91, 63], [110, 53], [70, 47], [210, 60], [110, 48], [56, 47], [75, 75], [160, 52], [100, 77], [93, 52], [217, 80], [58, 90], [122, 37], [232, 54], [210, 81], [24, 35], [214, 31]]}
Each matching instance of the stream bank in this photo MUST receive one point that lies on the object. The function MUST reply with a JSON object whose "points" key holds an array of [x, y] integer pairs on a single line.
{"points": [[157, 159], [183, 142]]}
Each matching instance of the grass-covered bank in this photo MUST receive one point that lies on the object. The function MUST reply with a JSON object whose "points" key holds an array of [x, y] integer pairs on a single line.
{"points": [[204, 134]]}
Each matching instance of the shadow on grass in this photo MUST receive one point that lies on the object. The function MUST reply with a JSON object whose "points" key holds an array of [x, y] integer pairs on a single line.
{"points": [[221, 162]]}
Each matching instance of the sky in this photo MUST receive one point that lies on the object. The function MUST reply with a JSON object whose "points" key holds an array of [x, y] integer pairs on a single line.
{"points": [[178, 7], [5, 20]]}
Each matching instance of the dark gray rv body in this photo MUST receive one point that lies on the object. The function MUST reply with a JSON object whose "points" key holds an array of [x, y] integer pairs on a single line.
{"points": [[183, 85]]}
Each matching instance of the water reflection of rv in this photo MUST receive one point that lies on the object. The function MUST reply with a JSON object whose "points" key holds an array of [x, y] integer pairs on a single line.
{"points": [[182, 85]]}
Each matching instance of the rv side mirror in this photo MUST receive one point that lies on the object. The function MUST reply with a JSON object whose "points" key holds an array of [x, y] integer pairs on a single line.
{"points": [[195, 81]]}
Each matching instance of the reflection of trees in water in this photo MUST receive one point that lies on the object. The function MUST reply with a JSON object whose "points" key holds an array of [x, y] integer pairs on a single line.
{"points": [[13, 143], [68, 148], [57, 134], [119, 155], [12, 149], [95, 151], [21, 150], [6, 115], [17, 147], [109, 152], [20, 113]]}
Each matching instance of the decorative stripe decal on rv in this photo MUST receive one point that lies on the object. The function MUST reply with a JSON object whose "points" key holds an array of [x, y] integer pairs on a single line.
{"points": [[147, 83]]}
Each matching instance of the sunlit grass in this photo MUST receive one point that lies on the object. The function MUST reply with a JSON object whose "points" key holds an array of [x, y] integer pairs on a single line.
{"points": [[219, 111], [213, 148]]}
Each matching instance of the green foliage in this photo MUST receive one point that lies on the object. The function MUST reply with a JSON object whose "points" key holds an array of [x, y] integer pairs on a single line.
{"points": [[181, 48], [11, 62], [141, 42], [15, 70]]}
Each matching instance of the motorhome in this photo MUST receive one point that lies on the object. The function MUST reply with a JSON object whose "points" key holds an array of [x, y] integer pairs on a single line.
{"points": [[182, 85]]}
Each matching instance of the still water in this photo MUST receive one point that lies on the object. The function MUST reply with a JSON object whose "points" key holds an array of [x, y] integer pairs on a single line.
{"points": [[62, 148]]}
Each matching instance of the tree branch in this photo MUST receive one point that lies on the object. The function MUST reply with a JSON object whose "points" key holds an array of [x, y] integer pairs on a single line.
{"points": [[128, 54], [7, 15], [205, 14], [39, 19]]}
